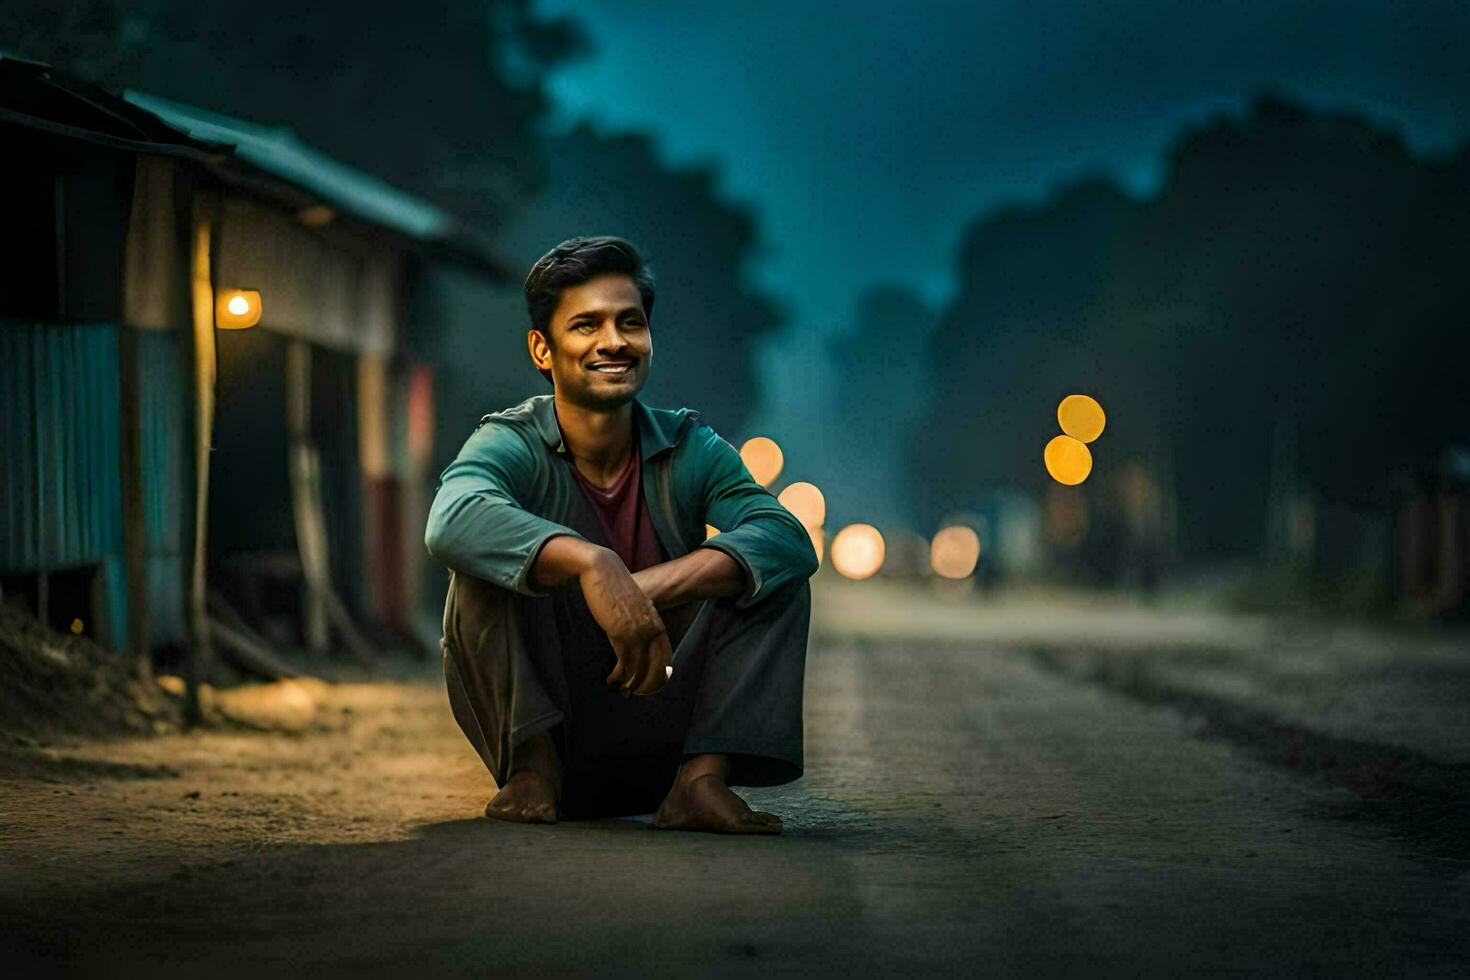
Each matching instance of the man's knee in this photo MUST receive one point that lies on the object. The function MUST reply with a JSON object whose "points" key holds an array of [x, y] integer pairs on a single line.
{"points": [[789, 606], [475, 605], [791, 599]]}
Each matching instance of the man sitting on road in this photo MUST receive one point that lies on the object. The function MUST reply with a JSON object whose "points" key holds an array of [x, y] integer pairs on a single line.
{"points": [[574, 525]]}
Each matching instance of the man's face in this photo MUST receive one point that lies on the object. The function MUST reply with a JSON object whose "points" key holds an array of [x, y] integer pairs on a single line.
{"points": [[600, 344]]}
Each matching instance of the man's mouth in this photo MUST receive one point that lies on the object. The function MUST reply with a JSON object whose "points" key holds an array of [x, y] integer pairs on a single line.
{"points": [[614, 369]]}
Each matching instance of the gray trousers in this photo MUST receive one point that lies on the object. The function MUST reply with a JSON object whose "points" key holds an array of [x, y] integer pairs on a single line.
{"points": [[517, 665]]}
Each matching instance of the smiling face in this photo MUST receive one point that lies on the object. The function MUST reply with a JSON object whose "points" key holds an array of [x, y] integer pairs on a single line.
{"points": [[600, 346]]}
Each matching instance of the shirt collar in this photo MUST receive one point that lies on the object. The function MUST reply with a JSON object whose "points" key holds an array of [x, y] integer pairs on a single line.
{"points": [[657, 431]]}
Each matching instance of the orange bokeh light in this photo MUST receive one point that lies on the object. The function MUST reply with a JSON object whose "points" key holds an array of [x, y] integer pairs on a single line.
{"points": [[1081, 417], [1067, 460], [763, 458], [955, 551], [806, 503], [857, 551]]}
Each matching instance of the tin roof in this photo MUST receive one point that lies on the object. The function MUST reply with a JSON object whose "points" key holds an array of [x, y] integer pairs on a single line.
{"points": [[38, 96], [278, 151]]}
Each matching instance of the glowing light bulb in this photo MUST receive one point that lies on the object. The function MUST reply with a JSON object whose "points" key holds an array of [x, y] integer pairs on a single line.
{"points": [[237, 309]]}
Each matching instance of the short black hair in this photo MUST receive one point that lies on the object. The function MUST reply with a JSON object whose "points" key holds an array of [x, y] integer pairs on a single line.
{"points": [[579, 260]]}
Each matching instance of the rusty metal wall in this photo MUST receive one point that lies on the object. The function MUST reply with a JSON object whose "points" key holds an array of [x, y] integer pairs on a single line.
{"points": [[60, 487]]}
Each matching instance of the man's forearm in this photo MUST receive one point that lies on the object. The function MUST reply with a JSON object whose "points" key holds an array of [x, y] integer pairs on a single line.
{"points": [[704, 573], [564, 557]]}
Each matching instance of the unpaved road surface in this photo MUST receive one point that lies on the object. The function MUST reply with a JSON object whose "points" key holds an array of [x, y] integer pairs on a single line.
{"points": [[965, 810]]}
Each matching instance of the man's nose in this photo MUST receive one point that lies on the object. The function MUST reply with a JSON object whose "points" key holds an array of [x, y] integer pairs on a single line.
{"points": [[611, 340]]}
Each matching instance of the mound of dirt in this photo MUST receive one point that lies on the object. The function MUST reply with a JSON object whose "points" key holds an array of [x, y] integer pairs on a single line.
{"points": [[53, 685]]}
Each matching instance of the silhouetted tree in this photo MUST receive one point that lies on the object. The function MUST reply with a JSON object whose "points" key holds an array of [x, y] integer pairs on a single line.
{"points": [[1296, 270], [707, 317], [96, 39], [443, 100]]}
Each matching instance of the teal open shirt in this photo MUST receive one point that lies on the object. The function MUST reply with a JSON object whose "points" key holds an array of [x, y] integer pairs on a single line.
{"points": [[510, 489]]}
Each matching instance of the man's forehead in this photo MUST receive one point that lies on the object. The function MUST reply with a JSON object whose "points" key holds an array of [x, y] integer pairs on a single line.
{"points": [[603, 295]]}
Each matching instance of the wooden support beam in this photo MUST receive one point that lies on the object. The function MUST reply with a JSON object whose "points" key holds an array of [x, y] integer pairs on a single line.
{"points": [[302, 465], [324, 606], [205, 368]]}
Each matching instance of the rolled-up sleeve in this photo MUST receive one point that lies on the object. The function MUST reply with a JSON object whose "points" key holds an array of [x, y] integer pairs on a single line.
{"points": [[478, 524], [755, 529]]}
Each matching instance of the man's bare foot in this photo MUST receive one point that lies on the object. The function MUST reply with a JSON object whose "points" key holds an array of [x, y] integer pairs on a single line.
{"points": [[526, 797], [700, 800], [531, 792]]}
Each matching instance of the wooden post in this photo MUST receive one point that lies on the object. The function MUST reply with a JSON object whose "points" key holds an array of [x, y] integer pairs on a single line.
{"points": [[324, 606], [1449, 590], [375, 459], [301, 465], [201, 654]]}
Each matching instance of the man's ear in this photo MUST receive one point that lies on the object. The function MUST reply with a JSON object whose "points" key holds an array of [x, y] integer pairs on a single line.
{"points": [[540, 350]]}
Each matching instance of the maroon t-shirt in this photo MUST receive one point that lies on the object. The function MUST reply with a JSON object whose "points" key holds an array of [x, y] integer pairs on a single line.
{"points": [[623, 514]]}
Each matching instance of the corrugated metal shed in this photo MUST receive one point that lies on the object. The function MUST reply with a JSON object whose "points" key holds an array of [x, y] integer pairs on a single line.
{"points": [[59, 427], [120, 177]]}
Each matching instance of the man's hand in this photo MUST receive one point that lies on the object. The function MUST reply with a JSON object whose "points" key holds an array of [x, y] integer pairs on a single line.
{"points": [[631, 622]]}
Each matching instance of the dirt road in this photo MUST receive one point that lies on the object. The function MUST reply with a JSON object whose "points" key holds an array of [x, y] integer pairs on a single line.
{"points": [[964, 809]]}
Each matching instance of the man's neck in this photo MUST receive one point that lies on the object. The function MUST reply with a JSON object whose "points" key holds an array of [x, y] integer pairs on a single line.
{"points": [[598, 441]]}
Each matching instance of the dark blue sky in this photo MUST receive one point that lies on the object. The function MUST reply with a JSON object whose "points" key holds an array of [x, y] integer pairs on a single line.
{"points": [[865, 136]]}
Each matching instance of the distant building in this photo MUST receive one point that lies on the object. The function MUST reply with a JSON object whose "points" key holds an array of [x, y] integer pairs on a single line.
{"points": [[126, 216]]}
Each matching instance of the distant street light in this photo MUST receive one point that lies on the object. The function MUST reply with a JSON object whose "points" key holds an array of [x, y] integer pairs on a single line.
{"points": [[763, 459], [1081, 417], [806, 504], [955, 551], [857, 551], [1067, 460]]}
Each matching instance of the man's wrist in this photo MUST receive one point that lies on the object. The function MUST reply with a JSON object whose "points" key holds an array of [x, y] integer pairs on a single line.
{"points": [[655, 583], [595, 557], [704, 573], [565, 556]]}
